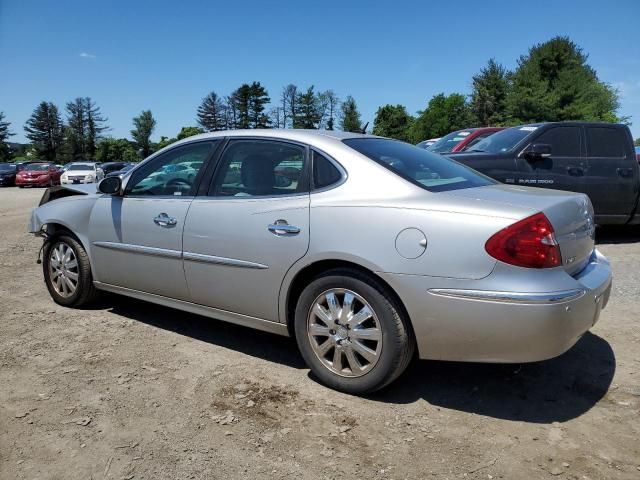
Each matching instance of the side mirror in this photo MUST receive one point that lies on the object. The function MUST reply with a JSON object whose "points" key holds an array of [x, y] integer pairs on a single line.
{"points": [[110, 185], [538, 151]]}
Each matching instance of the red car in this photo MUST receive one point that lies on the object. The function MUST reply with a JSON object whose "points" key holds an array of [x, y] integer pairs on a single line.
{"points": [[38, 174], [461, 140]]}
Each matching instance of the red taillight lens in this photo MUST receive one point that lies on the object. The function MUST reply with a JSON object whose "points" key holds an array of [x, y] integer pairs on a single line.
{"points": [[528, 243]]}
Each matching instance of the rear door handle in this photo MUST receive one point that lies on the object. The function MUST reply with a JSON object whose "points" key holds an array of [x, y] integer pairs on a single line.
{"points": [[625, 172], [282, 228], [165, 220], [575, 171]]}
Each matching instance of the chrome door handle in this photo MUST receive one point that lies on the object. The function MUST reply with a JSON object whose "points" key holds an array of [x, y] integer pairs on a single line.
{"points": [[165, 220], [282, 228]]}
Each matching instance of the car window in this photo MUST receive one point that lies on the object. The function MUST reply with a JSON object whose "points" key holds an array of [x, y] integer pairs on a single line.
{"points": [[325, 173], [37, 167], [504, 140], [81, 166], [564, 141], [473, 141], [605, 142], [163, 175], [423, 168], [250, 168]]}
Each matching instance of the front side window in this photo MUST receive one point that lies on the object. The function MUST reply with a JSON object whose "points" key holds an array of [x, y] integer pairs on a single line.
{"points": [[250, 168], [448, 142], [564, 141], [425, 169], [171, 173]]}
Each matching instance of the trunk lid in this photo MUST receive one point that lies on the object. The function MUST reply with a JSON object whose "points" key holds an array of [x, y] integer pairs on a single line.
{"points": [[571, 215]]}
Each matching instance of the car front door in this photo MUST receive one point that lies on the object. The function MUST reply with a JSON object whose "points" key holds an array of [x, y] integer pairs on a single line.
{"points": [[612, 182], [565, 169], [136, 238], [253, 224]]}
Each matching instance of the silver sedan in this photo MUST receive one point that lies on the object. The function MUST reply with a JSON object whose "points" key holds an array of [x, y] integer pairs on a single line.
{"points": [[367, 250]]}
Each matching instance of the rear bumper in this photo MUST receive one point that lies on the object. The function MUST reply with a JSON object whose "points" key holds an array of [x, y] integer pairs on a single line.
{"points": [[468, 324]]}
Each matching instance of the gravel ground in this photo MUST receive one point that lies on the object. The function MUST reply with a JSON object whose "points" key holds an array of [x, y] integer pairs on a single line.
{"points": [[130, 390]]}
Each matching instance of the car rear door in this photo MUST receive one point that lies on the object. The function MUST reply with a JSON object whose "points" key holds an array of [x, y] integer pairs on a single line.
{"points": [[136, 238], [612, 182], [249, 229]]}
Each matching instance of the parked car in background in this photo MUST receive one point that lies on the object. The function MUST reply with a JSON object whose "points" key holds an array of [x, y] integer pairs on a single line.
{"points": [[39, 174], [120, 173], [462, 140], [593, 158], [375, 249], [81, 172], [427, 143], [109, 167], [8, 173]]}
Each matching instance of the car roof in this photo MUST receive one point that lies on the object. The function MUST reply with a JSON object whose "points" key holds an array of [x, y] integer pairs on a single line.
{"points": [[302, 135]]}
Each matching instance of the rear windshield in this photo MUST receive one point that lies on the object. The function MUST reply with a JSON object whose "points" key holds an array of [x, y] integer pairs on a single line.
{"points": [[448, 142], [80, 166], [425, 169], [37, 167], [503, 141]]}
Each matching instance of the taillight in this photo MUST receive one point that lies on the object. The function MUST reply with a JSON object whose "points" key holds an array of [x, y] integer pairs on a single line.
{"points": [[528, 243]]}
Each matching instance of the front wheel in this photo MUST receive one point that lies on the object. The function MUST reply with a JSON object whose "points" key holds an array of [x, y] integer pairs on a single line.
{"points": [[352, 333], [67, 272]]}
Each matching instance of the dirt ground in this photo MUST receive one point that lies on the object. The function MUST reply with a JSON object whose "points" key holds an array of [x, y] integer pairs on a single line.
{"points": [[131, 390]]}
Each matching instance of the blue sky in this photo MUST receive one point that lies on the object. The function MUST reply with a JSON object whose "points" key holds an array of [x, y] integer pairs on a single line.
{"points": [[165, 56]]}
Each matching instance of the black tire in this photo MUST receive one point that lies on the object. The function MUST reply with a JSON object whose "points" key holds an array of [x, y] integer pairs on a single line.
{"points": [[85, 292], [398, 342]]}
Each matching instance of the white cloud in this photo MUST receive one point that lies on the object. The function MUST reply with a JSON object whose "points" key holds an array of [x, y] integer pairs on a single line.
{"points": [[87, 55]]}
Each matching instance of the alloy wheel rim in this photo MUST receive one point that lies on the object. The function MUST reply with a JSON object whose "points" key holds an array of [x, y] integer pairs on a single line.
{"points": [[63, 269], [344, 332]]}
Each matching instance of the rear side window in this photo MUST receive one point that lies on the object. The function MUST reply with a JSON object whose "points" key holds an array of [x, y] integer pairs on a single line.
{"points": [[564, 141], [325, 173], [425, 169], [605, 142]]}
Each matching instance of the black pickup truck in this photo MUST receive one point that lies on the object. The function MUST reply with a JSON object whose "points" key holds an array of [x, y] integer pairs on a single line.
{"points": [[593, 158]]}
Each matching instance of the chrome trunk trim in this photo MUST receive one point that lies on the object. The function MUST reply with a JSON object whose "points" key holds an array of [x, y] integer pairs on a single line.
{"points": [[509, 297]]}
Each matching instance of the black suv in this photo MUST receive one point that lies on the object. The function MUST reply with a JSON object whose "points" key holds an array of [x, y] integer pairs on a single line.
{"points": [[593, 158]]}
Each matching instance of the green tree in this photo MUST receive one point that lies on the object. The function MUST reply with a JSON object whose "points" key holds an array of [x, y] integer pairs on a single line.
{"points": [[637, 142], [211, 113], [489, 94], [144, 125], [393, 121], [308, 113], [45, 130], [444, 114], [188, 132], [350, 121], [331, 103], [164, 141], [5, 148], [116, 150], [553, 82], [248, 103], [85, 126]]}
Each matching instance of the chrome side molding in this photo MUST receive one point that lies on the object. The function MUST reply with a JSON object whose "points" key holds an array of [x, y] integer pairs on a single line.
{"points": [[231, 262], [509, 297], [140, 249]]}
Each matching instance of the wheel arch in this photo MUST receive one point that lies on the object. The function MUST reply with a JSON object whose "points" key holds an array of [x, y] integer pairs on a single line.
{"points": [[310, 271]]}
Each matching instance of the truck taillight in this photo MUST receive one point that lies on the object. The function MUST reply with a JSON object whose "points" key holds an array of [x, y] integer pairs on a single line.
{"points": [[528, 243]]}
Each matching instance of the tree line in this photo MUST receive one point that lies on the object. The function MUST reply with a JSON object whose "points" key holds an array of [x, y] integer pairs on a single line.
{"points": [[552, 82]]}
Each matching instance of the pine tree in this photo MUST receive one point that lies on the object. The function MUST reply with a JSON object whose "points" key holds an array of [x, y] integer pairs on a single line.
{"points": [[553, 82], [5, 149], [258, 101], [308, 114], [489, 95], [144, 125], [85, 126], [45, 130], [211, 113], [350, 116]]}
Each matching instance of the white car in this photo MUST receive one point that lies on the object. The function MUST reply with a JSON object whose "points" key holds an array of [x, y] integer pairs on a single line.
{"points": [[81, 172]]}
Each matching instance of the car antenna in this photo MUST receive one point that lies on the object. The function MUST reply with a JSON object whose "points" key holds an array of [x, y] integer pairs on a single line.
{"points": [[364, 129]]}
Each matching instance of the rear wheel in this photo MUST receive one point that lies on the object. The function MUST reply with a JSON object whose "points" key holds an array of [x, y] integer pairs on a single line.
{"points": [[67, 272], [352, 333]]}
